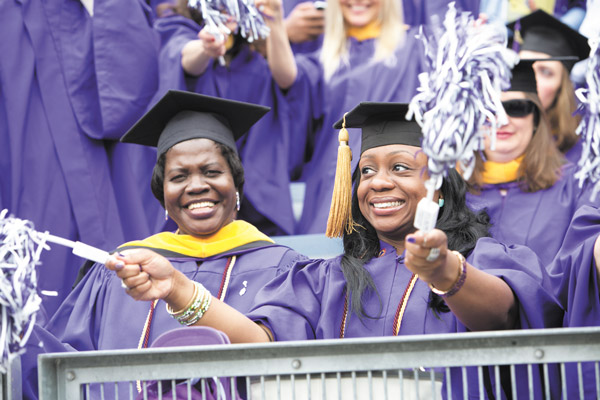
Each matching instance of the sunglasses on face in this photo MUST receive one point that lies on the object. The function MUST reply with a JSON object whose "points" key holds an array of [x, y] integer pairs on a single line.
{"points": [[519, 107]]}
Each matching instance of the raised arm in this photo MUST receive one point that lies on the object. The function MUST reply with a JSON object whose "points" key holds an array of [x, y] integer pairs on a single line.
{"points": [[197, 54], [149, 276], [279, 51], [481, 301]]}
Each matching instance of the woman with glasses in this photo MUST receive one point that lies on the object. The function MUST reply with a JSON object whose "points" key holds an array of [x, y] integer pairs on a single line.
{"points": [[545, 37], [524, 182]]}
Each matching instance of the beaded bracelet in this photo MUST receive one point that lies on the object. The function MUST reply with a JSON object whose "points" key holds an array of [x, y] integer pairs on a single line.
{"points": [[195, 309], [460, 281]]}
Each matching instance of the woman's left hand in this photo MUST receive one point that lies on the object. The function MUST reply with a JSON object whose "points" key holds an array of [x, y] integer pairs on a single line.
{"points": [[427, 255]]}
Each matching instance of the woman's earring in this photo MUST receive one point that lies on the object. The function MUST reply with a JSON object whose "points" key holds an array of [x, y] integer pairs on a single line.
{"points": [[441, 202], [237, 200], [166, 215]]}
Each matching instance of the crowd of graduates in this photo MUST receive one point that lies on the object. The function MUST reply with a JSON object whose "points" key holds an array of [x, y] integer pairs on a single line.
{"points": [[133, 127]]}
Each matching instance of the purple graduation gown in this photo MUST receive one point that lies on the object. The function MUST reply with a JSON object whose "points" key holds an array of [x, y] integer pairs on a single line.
{"points": [[70, 85], [538, 220], [573, 155], [264, 150], [99, 315], [317, 104], [575, 279], [308, 301]]}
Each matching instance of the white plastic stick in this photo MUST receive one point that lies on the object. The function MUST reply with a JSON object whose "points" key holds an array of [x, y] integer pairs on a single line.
{"points": [[79, 249]]}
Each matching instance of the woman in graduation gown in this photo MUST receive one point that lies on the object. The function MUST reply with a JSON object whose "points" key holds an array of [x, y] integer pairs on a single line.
{"points": [[391, 279], [543, 37], [199, 180], [368, 54], [192, 58], [74, 76], [525, 185]]}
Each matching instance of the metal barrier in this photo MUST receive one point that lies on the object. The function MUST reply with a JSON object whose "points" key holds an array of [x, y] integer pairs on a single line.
{"points": [[337, 369], [10, 382]]}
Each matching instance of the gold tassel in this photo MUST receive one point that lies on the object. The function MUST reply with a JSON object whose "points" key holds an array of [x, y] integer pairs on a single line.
{"points": [[340, 215]]}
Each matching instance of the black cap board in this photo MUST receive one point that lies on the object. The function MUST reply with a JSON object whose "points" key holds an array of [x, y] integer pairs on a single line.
{"points": [[382, 124], [543, 33], [179, 116], [523, 77]]}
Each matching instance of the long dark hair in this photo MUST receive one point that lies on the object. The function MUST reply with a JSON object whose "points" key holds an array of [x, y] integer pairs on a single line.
{"points": [[233, 160], [462, 226]]}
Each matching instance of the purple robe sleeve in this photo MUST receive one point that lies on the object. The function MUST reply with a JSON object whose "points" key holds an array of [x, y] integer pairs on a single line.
{"points": [[522, 270], [175, 31], [290, 305]]}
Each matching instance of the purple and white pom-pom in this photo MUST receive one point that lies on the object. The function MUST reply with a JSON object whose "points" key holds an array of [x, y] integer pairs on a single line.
{"points": [[589, 127], [215, 14], [20, 248], [469, 66]]}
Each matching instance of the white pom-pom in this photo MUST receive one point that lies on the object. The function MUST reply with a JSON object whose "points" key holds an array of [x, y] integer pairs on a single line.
{"points": [[589, 127], [20, 248], [458, 101], [215, 14]]}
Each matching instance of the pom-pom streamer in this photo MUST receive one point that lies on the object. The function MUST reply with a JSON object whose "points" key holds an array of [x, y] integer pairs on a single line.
{"points": [[20, 249], [469, 66], [589, 128], [215, 14]]}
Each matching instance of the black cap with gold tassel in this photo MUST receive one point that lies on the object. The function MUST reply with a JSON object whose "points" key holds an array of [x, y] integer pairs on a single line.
{"points": [[340, 217], [382, 124]]}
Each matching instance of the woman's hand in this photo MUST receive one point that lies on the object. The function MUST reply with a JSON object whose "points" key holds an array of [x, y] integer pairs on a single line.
{"points": [[198, 53], [305, 22], [427, 255], [213, 45], [272, 11], [146, 275]]}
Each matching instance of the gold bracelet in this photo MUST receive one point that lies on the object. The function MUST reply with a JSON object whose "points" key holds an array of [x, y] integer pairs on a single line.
{"points": [[460, 281], [189, 304]]}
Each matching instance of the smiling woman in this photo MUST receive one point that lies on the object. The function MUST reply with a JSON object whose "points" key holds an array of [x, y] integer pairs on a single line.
{"points": [[201, 192], [525, 184], [199, 179], [386, 282]]}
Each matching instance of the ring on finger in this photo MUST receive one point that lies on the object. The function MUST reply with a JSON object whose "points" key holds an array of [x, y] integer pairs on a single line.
{"points": [[433, 255], [123, 285]]}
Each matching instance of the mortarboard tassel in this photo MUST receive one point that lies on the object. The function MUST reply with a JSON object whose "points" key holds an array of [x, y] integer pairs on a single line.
{"points": [[589, 127], [340, 213], [469, 66], [20, 249]]}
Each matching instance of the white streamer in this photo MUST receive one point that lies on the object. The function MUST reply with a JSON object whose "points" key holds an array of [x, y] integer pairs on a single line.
{"points": [[589, 127], [20, 248], [458, 100]]}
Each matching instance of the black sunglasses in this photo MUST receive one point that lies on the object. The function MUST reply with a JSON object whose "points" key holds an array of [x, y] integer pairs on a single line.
{"points": [[519, 107]]}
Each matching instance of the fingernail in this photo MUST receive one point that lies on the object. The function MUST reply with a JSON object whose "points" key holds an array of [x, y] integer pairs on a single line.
{"points": [[120, 265], [411, 239]]}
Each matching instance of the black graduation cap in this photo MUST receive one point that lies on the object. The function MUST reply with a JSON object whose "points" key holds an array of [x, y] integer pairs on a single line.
{"points": [[382, 124], [523, 77], [179, 116], [543, 33]]}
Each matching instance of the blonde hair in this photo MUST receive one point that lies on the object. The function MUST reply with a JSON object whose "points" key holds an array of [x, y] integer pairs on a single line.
{"points": [[560, 114], [542, 163], [334, 50]]}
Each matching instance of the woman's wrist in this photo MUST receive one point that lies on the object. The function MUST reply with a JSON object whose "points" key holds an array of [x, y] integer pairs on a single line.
{"points": [[182, 292], [449, 286]]}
